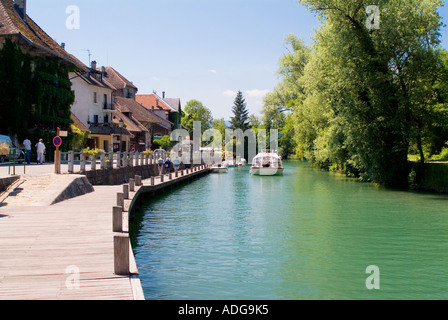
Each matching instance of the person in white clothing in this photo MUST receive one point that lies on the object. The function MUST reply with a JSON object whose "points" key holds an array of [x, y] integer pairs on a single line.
{"points": [[40, 147]]}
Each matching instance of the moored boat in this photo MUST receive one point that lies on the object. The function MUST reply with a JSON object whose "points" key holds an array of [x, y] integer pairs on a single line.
{"points": [[267, 164], [219, 168], [241, 162]]}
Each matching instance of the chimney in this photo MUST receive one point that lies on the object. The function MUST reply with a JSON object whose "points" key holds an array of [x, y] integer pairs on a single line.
{"points": [[93, 65], [20, 6], [163, 95], [63, 45]]}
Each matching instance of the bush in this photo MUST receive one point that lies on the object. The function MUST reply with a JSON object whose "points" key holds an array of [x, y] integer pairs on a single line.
{"points": [[443, 156], [93, 152]]}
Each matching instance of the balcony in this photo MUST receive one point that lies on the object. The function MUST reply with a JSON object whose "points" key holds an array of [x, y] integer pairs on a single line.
{"points": [[107, 106]]}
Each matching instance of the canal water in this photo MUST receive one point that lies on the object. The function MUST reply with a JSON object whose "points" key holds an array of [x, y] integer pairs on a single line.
{"points": [[306, 235]]}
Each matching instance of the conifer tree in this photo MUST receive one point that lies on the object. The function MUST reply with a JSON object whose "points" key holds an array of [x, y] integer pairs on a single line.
{"points": [[240, 120]]}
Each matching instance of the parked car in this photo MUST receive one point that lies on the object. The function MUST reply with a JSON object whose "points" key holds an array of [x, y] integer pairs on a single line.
{"points": [[6, 145]]}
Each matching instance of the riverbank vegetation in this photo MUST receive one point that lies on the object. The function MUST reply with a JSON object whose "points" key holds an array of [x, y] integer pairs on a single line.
{"points": [[361, 99]]}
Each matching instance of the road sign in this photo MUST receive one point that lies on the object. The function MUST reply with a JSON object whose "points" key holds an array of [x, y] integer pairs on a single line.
{"points": [[57, 141]]}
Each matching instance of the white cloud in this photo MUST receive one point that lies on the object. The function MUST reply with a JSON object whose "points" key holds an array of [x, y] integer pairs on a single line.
{"points": [[155, 78], [256, 93], [213, 71], [230, 93]]}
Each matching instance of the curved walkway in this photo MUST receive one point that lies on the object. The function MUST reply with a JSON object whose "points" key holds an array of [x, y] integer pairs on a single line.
{"points": [[62, 251]]}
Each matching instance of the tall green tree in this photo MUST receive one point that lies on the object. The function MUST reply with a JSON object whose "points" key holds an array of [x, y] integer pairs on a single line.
{"points": [[195, 111], [240, 119], [371, 85]]}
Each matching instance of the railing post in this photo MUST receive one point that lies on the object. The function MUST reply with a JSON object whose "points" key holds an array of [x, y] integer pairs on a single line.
{"points": [[138, 181], [117, 219], [152, 181], [131, 159], [71, 161], [93, 163], [126, 160], [83, 162], [126, 191], [132, 185], [120, 200], [121, 254], [103, 161]]}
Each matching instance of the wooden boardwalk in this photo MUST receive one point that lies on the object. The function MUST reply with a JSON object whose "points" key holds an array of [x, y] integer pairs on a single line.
{"points": [[65, 251]]}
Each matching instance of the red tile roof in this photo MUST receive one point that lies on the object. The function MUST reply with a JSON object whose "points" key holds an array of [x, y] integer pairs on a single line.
{"points": [[139, 112], [153, 100]]}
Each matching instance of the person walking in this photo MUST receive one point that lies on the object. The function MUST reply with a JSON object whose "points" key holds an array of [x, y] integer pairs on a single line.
{"points": [[27, 145], [40, 148], [176, 164], [160, 163]]}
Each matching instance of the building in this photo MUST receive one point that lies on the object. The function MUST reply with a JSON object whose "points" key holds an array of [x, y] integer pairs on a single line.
{"points": [[38, 69], [17, 26], [93, 107], [168, 108], [145, 123]]}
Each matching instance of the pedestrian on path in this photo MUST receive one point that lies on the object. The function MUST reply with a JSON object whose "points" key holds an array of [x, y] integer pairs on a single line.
{"points": [[160, 162], [40, 148], [176, 164], [167, 166], [27, 145]]}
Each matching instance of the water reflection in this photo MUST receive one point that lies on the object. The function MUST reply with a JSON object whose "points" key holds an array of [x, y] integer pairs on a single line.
{"points": [[306, 235]]}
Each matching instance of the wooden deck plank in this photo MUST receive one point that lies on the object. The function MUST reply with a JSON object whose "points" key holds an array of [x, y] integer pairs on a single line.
{"points": [[38, 245]]}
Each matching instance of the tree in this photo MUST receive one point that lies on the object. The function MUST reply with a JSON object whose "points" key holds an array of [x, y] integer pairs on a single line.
{"points": [[240, 119], [367, 91], [195, 111], [164, 142]]}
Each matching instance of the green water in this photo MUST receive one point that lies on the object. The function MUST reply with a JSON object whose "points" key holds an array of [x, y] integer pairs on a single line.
{"points": [[306, 235]]}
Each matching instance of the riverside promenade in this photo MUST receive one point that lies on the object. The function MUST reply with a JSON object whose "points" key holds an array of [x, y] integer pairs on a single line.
{"points": [[62, 248]]}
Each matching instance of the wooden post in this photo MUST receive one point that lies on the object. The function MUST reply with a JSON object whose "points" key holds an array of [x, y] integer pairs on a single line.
{"points": [[170, 176], [126, 191], [152, 181], [131, 185], [57, 160], [121, 254], [117, 219], [162, 177], [120, 200]]}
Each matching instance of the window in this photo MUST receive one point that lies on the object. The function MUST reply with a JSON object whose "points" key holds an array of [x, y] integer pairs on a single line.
{"points": [[95, 119], [95, 97], [105, 102]]}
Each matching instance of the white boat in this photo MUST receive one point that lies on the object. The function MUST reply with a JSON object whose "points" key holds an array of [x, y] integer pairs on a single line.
{"points": [[241, 162], [267, 164], [219, 168], [229, 163]]}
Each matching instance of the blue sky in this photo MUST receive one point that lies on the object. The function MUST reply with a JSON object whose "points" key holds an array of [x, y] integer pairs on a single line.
{"points": [[192, 49]]}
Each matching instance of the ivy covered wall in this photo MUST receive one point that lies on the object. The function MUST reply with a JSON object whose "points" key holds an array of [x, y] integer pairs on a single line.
{"points": [[35, 95]]}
